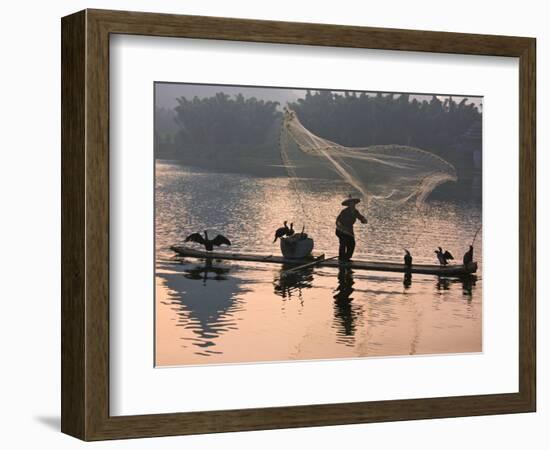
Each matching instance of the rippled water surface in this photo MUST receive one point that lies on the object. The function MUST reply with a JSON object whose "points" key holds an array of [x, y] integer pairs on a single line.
{"points": [[231, 311]]}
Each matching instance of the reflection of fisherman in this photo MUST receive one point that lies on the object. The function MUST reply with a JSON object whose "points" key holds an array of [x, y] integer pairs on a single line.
{"points": [[344, 313], [344, 228]]}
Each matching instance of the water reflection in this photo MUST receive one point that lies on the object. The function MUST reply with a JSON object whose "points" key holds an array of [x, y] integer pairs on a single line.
{"points": [[442, 284], [203, 271], [407, 280], [346, 313], [291, 284], [247, 312], [207, 305], [468, 284]]}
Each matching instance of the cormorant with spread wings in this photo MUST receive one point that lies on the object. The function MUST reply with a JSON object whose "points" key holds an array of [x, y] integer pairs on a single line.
{"points": [[443, 256], [208, 243]]}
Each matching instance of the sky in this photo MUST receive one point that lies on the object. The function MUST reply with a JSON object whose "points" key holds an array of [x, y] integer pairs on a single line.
{"points": [[167, 93]]}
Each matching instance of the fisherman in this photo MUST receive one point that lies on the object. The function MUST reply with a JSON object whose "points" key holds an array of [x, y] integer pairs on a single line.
{"points": [[344, 228]]}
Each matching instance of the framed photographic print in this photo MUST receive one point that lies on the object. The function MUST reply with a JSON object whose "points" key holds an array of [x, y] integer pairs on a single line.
{"points": [[268, 224]]}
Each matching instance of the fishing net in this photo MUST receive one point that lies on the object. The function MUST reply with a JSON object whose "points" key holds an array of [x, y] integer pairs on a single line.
{"points": [[393, 174]]}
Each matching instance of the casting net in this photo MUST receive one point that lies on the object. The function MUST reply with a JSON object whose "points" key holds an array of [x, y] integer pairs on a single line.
{"points": [[393, 174]]}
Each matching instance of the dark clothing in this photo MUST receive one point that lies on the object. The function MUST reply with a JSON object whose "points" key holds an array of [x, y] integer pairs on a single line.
{"points": [[346, 219], [344, 231], [347, 245]]}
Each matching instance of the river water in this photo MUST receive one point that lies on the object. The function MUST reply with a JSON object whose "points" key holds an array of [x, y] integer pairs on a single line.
{"points": [[234, 312]]}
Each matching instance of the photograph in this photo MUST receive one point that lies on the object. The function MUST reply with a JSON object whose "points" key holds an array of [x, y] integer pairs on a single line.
{"points": [[297, 224]]}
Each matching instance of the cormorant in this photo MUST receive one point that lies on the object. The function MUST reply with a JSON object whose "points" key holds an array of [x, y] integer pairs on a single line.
{"points": [[443, 257], [282, 231], [290, 230], [408, 259], [468, 256], [208, 243]]}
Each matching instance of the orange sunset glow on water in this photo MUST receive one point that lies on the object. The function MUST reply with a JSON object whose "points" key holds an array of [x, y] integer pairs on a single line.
{"points": [[212, 311]]}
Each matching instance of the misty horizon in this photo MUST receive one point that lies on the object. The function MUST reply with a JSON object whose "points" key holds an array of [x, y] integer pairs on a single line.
{"points": [[167, 93]]}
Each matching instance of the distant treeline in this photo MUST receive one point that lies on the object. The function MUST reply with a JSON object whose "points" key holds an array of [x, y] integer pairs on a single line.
{"points": [[361, 119], [447, 128], [223, 131], [165, 122], [224, 120]]}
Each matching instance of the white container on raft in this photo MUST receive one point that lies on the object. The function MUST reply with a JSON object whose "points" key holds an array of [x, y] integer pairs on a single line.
{"points": [[297, 246]]}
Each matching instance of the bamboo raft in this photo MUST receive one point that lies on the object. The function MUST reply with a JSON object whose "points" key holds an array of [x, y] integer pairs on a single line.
{"points": [[450, 270]]}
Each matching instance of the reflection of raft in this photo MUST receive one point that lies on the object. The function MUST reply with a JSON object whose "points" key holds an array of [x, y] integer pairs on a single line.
{"points": [[297, 246], [457, 270]]}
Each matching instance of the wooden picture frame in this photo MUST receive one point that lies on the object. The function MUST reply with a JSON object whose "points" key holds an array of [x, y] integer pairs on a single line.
{"points": [[85, 224]]}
